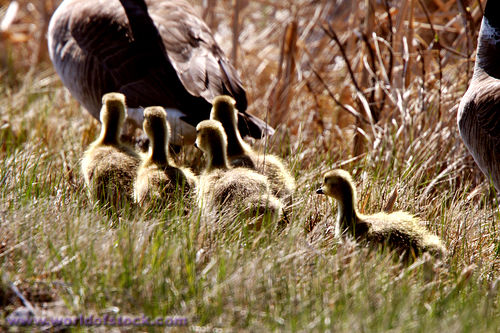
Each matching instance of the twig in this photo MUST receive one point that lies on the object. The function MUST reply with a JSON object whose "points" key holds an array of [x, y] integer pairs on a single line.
{"points": [[423, 78], [391, 36], [375, 112], [208, 12], [333, 35], [236, 30], [26, 303], [436, 44], [10, 15], [347, 108]]}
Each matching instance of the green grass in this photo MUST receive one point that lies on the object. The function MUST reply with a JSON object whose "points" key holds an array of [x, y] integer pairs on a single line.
{"points": [[60, 249], [220, 273]]}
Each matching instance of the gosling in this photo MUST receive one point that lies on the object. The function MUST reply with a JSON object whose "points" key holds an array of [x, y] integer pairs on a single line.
{"points": [[399, 230], [241, 154], [221, 186], [109, 166], [158, 178]]}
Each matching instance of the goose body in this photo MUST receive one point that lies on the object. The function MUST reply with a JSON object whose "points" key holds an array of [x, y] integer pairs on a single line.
{"points": [[222, 187], [241, 154], [109, 166], [158, 178], [479, 109], [157, 52], [399, 230]]}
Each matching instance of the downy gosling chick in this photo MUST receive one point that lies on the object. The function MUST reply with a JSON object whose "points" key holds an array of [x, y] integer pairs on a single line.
{"points": [[399, 230], [241, 154], [157, 177], [109, 166], [222, 187]]}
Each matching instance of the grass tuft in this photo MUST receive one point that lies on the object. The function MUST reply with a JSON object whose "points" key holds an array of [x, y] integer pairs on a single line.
{"points": [[371, 90]]}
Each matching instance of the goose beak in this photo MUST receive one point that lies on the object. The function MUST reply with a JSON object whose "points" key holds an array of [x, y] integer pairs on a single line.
{"points": [[320, 191], [196, 145]]}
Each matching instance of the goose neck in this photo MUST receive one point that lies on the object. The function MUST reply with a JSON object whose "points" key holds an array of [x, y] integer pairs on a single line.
{"points": [[488, 48]]}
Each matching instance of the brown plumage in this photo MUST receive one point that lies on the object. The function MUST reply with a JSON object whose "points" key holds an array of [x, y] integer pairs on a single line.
{"points": [[157, 52], [224, 188], [158, 178], [479, 110], [241, 154], [399, 230], [109, 166]]}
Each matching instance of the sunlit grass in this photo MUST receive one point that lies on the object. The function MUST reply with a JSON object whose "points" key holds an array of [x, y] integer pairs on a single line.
{"points": [[56, 245]]}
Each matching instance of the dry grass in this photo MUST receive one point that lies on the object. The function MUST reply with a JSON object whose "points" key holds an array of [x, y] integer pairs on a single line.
{"points": [[369, 86]]}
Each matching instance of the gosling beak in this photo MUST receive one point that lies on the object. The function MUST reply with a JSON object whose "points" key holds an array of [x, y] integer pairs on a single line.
{"points": [[320, 191]]}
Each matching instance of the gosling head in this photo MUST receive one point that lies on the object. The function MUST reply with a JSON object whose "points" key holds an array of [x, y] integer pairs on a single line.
{"points": [[337, 184], [212, 140], [224, 110], [155, 124], [113, 106], [112, 117]]}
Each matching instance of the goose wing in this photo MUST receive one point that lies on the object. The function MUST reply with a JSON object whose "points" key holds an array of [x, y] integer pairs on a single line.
{"points": [[192, 50]]}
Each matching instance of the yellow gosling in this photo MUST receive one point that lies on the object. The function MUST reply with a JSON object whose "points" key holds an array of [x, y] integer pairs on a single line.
{"points": [[158, 178], [109, 166], [224, 188], [241, 154], [399, 230]]}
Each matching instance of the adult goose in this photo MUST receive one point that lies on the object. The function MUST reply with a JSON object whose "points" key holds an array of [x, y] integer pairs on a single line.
{"points": [[479, 110], [155, 52]]}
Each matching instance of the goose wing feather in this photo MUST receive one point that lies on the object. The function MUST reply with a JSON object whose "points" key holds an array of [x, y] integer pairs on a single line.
{"points": [[192, 50]]}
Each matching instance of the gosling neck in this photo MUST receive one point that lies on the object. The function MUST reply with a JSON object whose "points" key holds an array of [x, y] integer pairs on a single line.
{"points": [[347, 213], [236, 145], [217, 158], [158, 149], [110, 131]]}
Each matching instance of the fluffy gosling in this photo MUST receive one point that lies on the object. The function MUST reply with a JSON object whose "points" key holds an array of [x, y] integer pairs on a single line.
{"points": [[221, 186], [399, 230], [241, 154], [109, 166], [157, 177]]}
